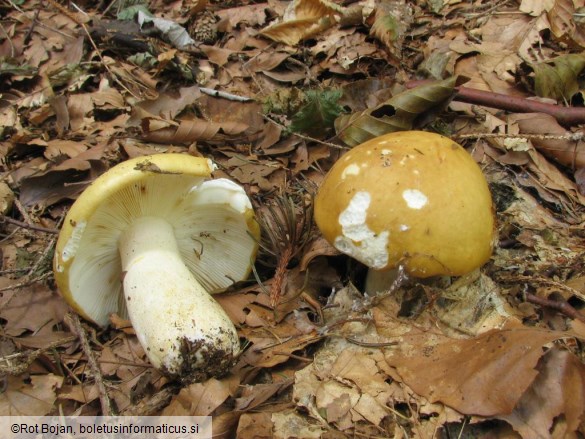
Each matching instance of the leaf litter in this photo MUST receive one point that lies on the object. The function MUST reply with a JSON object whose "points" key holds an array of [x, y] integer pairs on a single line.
{"points": [[275, 93]]}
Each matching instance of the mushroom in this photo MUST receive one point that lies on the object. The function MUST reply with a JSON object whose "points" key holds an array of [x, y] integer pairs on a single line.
{"points": [[151, 239], [411, 199]]}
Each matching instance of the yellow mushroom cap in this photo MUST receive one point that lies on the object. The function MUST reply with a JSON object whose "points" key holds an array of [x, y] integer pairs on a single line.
{"points": [[411, 198]]}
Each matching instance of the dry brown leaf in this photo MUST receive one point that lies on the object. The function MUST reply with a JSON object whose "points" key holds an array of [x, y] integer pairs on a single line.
{"points": [[304, 19], [32, 309], [188, 131], [485, 376], [29, 398], [567, 152], [65, 180], [562, 23], [272, 344], [255, 426], [253, 396], [265, 61], [536, 7], [558, 391], [199, 399], [166, 105], [235, 305], [45, 338], [289, 424], [251, 15], [83, 393], [57, 148]]}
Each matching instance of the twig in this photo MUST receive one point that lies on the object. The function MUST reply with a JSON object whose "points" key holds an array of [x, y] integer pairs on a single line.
{"points": [[558, 305], [22, 211], [542, 281], [307, 138], [106, 403], [293, 356], [370, 344], [24, 225], [42, 257], [153, 405], [224, 94], [40, 23], [26, 282], [6, 365], [574, 137], [564, 115]]}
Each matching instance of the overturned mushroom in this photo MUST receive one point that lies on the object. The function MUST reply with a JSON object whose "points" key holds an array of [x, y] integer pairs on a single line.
{"points": [[412, 199], [151, 239]]}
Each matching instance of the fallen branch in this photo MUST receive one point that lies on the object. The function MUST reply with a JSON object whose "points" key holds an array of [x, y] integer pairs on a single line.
{"points": [[567, 116], [560, 306]]}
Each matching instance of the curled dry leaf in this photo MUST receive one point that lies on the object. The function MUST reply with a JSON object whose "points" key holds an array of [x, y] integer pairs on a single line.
{"points": [[562, 23], [303, 19], [402, 112], [568, 151]]}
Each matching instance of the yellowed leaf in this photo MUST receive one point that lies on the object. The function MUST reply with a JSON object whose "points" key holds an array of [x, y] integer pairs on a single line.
{"points": [[304, 19]]}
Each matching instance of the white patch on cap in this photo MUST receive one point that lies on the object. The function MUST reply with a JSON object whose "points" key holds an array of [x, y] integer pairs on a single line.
{"points": [[358, 240], [414, 198], [72, 245], [386, 151], [352, 169], [404, 227]]}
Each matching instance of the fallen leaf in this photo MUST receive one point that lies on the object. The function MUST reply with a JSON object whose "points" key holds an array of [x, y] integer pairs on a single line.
{"points": [[486, 375], [199, 399], [253, 396], [34, 397], [557, 392], [32, 309], [304, 19], [401, 112]]}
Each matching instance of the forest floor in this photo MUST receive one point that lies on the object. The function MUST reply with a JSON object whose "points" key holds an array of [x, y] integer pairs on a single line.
{"points": [[274, 93]]}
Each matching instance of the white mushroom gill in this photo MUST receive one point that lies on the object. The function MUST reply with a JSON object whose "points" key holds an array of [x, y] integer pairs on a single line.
{"points": [[357, 239]]}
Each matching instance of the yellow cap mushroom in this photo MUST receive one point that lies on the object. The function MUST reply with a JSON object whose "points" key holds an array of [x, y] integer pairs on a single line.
{"points": [[151, 239], [412, 199]]}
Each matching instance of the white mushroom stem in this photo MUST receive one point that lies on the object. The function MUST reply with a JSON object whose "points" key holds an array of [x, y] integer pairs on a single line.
{"points": [[180, 326]]}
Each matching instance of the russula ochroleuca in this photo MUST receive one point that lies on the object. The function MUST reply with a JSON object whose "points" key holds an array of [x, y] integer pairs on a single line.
{"points": [[412, 199], [151, 239]]}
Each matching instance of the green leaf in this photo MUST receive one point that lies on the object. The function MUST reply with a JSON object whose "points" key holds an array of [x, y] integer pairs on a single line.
{"points": [[317, 116], [559, 80], [132, 11], [402, 112]]}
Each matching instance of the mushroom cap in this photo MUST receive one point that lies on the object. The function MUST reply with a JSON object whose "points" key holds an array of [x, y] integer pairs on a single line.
{"points": [[411, 198], [213, 222]]}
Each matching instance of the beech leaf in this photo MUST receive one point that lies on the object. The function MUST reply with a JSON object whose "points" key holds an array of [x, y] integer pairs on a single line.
{"points": [[401, 112], [558, 79]]}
